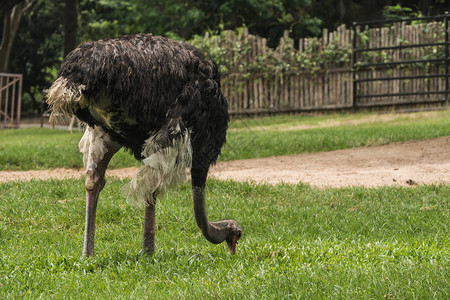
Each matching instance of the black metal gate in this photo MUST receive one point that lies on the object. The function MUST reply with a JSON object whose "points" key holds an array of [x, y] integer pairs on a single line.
{"points": [[398, 66]]}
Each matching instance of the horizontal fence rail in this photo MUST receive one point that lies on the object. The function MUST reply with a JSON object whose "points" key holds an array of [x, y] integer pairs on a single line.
{"points": [[10, 100]]}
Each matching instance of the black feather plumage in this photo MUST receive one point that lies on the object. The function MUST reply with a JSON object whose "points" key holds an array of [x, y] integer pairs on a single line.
{"points": [[143, 82]]}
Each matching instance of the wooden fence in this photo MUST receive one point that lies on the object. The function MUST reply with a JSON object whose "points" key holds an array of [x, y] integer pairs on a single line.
{"points": [[332, 72], [10, 100]]}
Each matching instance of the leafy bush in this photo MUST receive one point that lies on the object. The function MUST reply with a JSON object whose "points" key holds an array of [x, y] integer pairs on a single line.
{"points": [[238, 51]]}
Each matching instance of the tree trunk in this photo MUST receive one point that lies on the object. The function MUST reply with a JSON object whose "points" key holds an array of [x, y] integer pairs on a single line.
{"points": [[11, 24], [70, 26], [7, 5], [70, 36]]}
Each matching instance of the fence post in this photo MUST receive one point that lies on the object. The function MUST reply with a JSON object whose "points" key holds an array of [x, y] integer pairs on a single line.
{"points": [[19, 101], [354, 92], [446, 57]]}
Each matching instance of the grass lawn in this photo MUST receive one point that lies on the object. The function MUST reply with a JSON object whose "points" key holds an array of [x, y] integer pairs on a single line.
{"points": [[298, 242], [248, 138]]}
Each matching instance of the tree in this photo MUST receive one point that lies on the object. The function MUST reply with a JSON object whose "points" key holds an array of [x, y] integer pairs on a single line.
{"points": [[38, 50], [183, 19], [7, 5], [268, 18], [70, 25]]}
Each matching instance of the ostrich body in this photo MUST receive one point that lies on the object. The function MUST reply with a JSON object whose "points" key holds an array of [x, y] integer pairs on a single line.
{"points": [[159, 98]]}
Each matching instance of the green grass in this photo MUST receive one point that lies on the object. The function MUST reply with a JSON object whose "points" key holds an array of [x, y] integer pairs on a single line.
{"points": [[277, 122], [248, 138], [298, 242], [250, 144], [261, 137], [31, 149]]}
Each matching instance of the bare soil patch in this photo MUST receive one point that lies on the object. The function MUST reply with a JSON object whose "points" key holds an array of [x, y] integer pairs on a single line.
{"points": [[395, 164]]}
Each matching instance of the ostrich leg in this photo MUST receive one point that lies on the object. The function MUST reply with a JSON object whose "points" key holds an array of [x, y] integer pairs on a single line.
{"points": [[148, 243], [214, 232], [97, 148]]}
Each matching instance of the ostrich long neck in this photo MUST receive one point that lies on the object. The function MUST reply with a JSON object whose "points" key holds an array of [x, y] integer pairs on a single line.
{"points": [[215, 232]]}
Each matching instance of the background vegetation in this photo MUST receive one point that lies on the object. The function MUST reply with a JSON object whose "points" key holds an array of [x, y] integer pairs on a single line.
{"points": [[38, 47]]}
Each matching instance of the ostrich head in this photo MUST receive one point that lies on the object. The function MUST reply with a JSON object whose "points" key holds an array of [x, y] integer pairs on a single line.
{"points": [[234, 234]]}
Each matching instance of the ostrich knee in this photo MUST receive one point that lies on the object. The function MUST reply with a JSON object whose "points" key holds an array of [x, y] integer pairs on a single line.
{"points": [[94, 181]]}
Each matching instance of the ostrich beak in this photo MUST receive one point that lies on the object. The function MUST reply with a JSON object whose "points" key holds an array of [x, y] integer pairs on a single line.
{"points": [[233, 241]]}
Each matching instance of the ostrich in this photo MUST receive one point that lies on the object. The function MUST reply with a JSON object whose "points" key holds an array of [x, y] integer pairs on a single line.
{"points": [[161, 100]]}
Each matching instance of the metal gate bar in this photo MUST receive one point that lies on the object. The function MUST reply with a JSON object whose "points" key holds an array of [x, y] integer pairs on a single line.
{"points": [[402, 47], [403, 77]]}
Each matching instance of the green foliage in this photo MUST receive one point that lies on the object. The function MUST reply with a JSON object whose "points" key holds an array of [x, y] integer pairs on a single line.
{"points": [[395, 12], [184, 19], [109, 18], [227, 48], [231, 51], [298, 242]]}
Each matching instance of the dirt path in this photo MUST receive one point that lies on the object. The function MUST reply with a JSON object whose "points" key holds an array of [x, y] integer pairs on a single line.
{"points": [[419, 162], [396, 164]]}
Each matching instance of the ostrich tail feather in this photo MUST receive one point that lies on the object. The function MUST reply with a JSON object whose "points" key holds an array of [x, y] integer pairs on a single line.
{"points": [[163, 168], [64, 97]]}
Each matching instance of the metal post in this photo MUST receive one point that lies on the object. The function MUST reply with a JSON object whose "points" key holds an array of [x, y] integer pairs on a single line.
{"points": [[19, 101], [13, 99], [7, 100], [446, 57], [354, 92], [1, 97]]}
